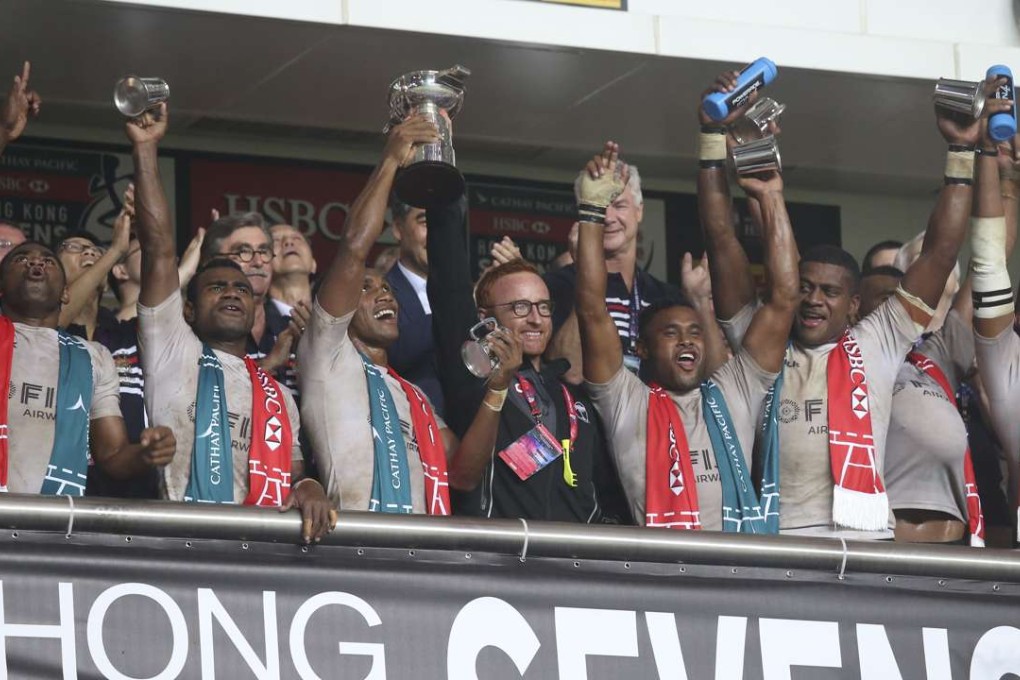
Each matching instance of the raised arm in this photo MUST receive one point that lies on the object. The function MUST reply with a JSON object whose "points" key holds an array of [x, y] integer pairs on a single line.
{"points": [[926, 278], [767, 335], [21, 102], [992, 190], [155, 231], [83, 287], [732, 283], [341, 286], [602, 354]]}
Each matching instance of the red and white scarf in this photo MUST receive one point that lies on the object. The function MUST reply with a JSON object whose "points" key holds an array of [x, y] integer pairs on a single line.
{"points": [[975, 518], [859, 500], [671, 500], [272, 441], [431, 449]]}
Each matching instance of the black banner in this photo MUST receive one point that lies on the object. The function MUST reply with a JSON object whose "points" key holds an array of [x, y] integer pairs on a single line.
{"points": [[113, 607], [50, 191]]}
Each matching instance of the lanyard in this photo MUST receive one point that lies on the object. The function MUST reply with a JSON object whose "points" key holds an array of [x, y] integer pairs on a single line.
{"points": [[531, 396], [635, 314]]}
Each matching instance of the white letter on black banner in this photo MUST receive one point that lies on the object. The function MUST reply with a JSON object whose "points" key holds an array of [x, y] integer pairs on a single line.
{"points": [[996, 653], [178, 627], [63, 631], [669, 658], [488, 622], [209, 608], [789, 642], [592, 632], [875, 654], [314, 604]]}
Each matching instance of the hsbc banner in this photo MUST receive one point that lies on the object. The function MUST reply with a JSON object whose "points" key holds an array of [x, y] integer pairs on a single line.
{"points": [[110, 607], [313, 198], [49, 191], [539, 221]]}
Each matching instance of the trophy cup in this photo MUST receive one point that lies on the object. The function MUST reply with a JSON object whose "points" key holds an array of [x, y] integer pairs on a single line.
{"points": [[961, 96], [761, 155], [754, 124], [475, 352], [431, 177], [133, 96]]}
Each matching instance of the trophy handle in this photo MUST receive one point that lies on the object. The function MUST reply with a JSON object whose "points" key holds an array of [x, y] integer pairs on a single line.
{"points": [[454, 77]]}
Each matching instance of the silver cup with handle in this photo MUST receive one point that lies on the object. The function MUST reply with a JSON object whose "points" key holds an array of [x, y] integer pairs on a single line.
{"points": [[962, 96], [760, 155], [476, 353], [754, 124], [431, 177], [133, 96]]}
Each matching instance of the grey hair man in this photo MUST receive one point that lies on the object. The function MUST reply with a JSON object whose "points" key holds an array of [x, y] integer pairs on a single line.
{"points": [[629, 288]]}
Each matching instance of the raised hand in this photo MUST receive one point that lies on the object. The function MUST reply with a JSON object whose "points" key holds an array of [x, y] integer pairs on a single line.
{"points": [[121, 240], [724, 82], [21, 103], [149, 127], [695, 282], [504, 251], [604, 180], [300, 315], [404, 137], [967, 131], [506, 347]]}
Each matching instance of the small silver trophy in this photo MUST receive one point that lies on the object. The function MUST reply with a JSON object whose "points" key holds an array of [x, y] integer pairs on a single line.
{"points": [[754, 124], [431, 177], [961, 96], [134, 96], [761, 155], [476, 353]]}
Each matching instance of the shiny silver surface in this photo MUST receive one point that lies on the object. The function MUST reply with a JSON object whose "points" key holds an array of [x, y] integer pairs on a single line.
{"points": [[427, 93], [509, 537], [757, 156], [133, 96], [754, 124], [961, 96]]}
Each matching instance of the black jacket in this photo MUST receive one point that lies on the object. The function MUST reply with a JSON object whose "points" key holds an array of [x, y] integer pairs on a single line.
{"points": [[598, 496]]}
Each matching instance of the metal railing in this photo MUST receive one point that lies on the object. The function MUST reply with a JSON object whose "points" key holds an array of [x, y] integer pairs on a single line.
{"points": [[508, 537]]}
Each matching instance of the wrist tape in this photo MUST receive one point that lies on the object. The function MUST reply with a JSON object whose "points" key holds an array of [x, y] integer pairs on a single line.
{"points": [[712, 149], [594, 214], [993, 293], [959, 165]]}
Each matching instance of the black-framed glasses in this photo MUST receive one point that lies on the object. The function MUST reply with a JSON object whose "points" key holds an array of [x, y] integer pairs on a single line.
{"points": [[247, 254], [78, 248], [522, 308]]}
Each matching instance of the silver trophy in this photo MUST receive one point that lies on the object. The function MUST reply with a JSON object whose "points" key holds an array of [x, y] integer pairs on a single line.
{"points": [[134, 96], [961, 96], [761, 155], [476, 354], [431, 177], [754, 124]]}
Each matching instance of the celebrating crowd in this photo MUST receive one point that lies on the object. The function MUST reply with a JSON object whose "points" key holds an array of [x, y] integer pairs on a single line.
{"points": [[836, 400]]}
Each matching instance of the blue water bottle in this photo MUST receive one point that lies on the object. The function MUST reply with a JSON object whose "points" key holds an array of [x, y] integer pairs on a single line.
{"points": [[757, 74], [1002, 126]]}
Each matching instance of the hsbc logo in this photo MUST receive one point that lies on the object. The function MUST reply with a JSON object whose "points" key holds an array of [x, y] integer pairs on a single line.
{"points": [[540, 227], [39, 186]]}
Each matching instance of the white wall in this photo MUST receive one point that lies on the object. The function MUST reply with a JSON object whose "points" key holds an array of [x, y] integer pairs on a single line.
{"points": [[903, 38]]}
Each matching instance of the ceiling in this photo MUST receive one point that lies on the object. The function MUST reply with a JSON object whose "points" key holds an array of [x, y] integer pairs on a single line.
{"points": [[309, 85]]}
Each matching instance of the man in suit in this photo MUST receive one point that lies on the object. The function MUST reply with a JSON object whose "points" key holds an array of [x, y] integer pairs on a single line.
{"points": [[413, 353]]}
